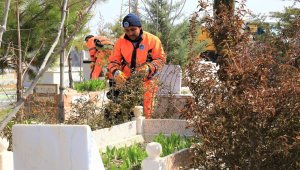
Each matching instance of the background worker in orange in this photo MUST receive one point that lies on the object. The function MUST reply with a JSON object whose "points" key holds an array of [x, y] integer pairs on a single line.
{"points": [[99, 48], [137, 51], [210, 53]]}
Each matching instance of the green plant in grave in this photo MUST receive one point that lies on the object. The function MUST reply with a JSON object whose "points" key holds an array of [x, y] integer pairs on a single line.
{"points": [[90, 85], [124, 158], [132, 156], [172, 143]]}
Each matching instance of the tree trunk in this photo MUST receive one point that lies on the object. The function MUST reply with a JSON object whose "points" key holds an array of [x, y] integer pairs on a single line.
{"points": [[69, 60], [134, 7], [129, 6], [61, 113], [223, 15], [70, 70], [224, 6], [19, 60]]}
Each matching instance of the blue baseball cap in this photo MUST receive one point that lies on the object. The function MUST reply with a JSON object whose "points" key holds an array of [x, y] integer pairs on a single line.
{"points": [[131, 20]]}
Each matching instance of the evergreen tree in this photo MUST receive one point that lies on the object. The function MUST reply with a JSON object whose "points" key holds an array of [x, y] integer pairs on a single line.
{"points": [[161, 18], [39, 21]]}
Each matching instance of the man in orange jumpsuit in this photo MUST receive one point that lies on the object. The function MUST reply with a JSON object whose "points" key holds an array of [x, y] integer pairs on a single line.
{"points": [[99, 48], [137, 51]]}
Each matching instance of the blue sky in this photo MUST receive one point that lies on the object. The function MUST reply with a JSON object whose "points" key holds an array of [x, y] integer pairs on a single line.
{"points": [[110, 10]]}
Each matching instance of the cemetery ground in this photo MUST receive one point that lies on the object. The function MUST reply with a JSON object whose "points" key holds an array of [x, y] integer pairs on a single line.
{"points": [[41, 108], [87, 118], [109, 136]]}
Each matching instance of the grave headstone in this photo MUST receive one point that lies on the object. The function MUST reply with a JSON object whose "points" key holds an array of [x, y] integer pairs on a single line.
{"points": [[46, 89], [55, 147], [86, 69], [6, 157], [170, 78], [52, 76]]}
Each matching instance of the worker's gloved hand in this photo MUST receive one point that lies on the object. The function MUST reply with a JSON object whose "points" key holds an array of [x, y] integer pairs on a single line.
{"points": [[120, 78], [98, 43], [143, 70], [92, 65]]}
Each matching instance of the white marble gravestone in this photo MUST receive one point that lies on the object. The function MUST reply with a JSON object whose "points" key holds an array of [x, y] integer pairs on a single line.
{"points": [[55, 147], [6, 157], [170, 78]]}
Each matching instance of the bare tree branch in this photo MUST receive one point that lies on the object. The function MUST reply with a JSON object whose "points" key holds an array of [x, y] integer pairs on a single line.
{"points": [[176, 15], [47, 61], [4, 21], [148, 11], [20, 103], [28, 65]]}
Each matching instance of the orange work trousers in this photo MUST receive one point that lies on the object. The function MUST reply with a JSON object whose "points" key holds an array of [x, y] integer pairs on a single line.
{"points": [[151, 89], [96, 69]]}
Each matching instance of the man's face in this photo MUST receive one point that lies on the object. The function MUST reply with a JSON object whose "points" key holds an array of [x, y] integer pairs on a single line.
{"points": [[132, 32]]}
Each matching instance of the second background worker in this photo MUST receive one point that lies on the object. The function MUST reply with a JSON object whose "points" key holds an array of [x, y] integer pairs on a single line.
{"points": [[100, 49]]}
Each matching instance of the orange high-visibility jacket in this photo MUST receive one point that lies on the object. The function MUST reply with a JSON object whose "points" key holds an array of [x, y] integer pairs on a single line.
{"points": [[98, 54], [92, 47], [205, 36], [125, 57]]}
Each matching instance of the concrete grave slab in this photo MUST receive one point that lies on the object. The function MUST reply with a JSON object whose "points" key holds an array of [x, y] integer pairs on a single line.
{"points": [[153, 127]]}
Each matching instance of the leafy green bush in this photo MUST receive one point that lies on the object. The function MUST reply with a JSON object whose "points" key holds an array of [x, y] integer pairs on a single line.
{"points": [[132, 156], [90, 85]]}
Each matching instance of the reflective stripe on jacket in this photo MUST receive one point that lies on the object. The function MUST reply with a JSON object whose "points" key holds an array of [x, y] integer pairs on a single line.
{"points": [[149, 51]]}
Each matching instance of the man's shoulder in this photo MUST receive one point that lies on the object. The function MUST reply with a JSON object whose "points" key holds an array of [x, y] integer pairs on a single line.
{"points": [[121, 38], [150, 35]]}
